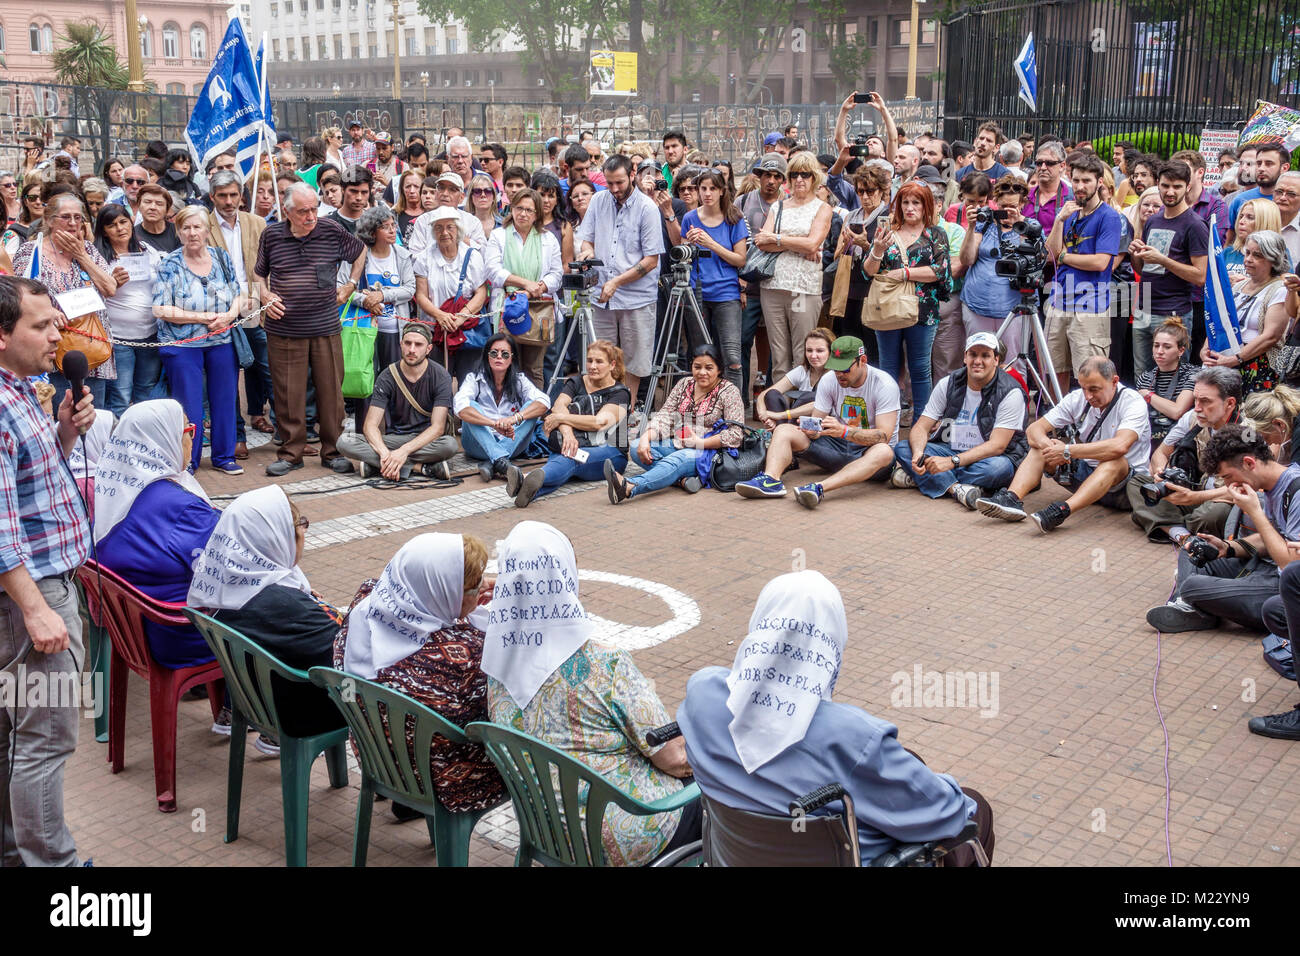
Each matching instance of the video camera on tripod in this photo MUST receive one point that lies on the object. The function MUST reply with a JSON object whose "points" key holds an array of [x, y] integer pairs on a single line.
{"points": [[1022, 256], [687, 254], [581, 275]]}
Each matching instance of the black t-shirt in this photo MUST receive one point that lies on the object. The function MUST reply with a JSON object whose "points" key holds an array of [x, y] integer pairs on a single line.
{"points": [[584, 402], [349, 224], [1180, 238], [432, 390], [166, 241]]}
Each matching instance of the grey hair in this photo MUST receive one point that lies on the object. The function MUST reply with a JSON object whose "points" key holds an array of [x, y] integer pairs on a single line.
{"points": [[222, 178], [92, 185], [370, 221], [456, 141], [1099, 365], [52, 209], [1055, 148], [1012, 151], [297, 189], [1226, 381], [1272, 247]]}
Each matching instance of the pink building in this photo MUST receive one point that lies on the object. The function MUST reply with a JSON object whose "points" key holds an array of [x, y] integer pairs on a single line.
{"points": [[176, 39]]}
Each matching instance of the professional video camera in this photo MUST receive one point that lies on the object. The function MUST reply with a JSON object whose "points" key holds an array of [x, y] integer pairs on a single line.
{"points": [[859, 147], [581, 275], [1023, 255], [686, 254]]}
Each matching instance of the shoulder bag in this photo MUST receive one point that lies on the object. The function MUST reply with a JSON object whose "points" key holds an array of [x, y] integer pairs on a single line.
{"points": [[357, 335], [891, 303], [760, 265], [733, 465], [454, 306]]}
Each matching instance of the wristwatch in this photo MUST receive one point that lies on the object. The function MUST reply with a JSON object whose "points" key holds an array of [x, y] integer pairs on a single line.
{"points": [[956, 461], [1066, 454], [672, 218]]}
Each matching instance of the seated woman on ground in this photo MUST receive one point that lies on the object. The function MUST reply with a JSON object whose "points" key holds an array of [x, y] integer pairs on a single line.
{"points": [[584, 429], [1274, 415], [750, 756], [431, 585], [685, 434], [498, 407], [797, 388], [585, 699], [1167, 385]]}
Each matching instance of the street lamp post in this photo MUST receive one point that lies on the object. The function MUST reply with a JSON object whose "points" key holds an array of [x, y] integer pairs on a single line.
{"points": [[424, 82], [134, 61], [397, 51], [911, 49]]}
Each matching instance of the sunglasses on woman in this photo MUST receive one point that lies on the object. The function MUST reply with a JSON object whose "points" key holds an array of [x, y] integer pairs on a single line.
{"points": [[480, 191], [498, 353], [799, 174]]}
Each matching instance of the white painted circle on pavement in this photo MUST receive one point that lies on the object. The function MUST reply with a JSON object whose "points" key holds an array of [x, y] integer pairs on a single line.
{"points": [[631, 637]]}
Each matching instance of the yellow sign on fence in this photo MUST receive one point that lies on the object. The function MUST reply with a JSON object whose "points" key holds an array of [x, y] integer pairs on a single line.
{"points": [[613, 73]]}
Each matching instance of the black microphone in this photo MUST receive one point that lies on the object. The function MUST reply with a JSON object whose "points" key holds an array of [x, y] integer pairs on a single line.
{"points": [[75, 370]]}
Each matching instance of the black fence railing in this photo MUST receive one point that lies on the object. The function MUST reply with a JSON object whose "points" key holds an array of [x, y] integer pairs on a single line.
{"points": [[1164, 68]]}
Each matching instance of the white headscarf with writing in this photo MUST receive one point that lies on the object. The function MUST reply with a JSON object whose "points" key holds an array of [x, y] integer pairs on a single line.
{"points": [[252, 547], [535, 621], [420, 592], [85, 453], [786, 666]]}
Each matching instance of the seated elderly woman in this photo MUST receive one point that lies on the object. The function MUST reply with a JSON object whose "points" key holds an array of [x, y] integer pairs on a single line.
{"points": [[430, 586], [152, 517], [1260, 296], [748, 755], [583, 430], [579, 696], [498, 407], [701, 417], [248, 579]]}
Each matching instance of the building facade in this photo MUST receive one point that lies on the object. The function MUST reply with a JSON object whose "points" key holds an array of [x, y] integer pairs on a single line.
{"points": [[176, 37]]}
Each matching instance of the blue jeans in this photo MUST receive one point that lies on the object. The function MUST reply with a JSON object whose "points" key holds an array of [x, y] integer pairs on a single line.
{"points": [[670, 465], [487, 444], [918, 339], [98, 390], [139, 377], [988, 473], [257, 381], [189, 370], [560, 468]]}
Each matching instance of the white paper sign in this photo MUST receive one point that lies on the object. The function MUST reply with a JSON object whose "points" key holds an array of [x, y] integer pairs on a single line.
{"points": [[78, 302], [137, 266]]}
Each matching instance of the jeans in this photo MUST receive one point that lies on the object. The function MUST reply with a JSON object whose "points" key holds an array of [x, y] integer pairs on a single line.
{"points": [[560, 468], [487, 444], [987, 473], [1144, 332], [257, 381], [98, 390], [1282, 611], [189, 370], [726, 322], [918, 339], [670, 464], [43, 736], [139, 377], [1221, 590]]}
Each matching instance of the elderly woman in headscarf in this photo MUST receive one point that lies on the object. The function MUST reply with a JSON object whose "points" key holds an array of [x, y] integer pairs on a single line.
{"points": [[86, 453], [750, 754], [548, 677], [410, 630], [152, 517], [248, 579]]}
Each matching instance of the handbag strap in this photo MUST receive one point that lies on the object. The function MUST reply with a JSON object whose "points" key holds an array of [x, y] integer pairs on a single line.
{"points": [[401, 387], [464, 268]]}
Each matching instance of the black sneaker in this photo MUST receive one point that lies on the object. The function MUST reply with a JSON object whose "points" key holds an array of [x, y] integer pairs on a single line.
{"points": [[1004, 504], [1178, 616], [281, 467], [1283, 726], [514, 478], [339, 465], [1051, 517], [485, 470], [440, 470]]}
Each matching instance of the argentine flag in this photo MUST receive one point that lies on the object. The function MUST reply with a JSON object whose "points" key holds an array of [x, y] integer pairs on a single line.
{"points": [[1222, 330], [231, 110]]}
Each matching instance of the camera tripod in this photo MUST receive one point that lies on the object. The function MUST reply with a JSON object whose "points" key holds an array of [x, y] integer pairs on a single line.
{"points": [[580, 321], [682, 304], [1025, 316]]}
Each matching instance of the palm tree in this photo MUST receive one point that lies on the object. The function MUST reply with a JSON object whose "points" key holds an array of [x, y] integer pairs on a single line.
{"points": [[88, 58]]}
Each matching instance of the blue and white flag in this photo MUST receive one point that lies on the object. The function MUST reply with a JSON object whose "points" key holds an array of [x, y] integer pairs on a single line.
{"points": [[1222, 329], [1026, 66], [230, 110]]}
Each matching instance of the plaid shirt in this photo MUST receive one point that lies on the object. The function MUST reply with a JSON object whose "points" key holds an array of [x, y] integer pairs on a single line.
{"points": [[42, 520], [358, 155]]}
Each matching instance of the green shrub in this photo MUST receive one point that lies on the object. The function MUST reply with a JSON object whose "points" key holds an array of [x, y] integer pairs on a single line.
{"points": [[1161, 142]]}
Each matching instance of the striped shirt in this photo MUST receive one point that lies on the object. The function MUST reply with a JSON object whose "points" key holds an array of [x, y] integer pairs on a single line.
{"points": [[42, 522], [359, 155], [304, 272]]}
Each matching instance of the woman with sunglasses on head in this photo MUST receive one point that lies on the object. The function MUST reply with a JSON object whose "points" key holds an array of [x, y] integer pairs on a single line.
{"points": [[684, 186], [724, 167], [130, 310], [498, 407], [196, 297]]}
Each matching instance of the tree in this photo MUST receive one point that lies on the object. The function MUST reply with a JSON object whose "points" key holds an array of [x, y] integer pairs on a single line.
{"points": [[88, 58], [848, 62]]}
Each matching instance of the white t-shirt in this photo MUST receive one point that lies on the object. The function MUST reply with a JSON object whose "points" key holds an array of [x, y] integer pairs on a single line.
{"points": [[965, 433], [1130, 412], [860, 407], [382, 273], [1252, 308], [799, 379]]}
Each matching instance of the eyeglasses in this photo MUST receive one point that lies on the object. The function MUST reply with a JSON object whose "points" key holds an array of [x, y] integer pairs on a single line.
{"points": [[70, 217], [132, 181], [480, 191], [686, 189], [190, 429], [1048, 163], [302, 523], [32, 197], [1288, 193], [799, 174], [498, 353], [524, 210], [8, 185]]}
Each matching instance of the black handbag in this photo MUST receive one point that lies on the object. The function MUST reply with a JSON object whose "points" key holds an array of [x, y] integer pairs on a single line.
{"points": [[1277, 655], [760, 265], [728, 470]]}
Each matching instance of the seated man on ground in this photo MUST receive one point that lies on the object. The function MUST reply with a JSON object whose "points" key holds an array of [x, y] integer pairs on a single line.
{"points": [[1107, 435], [979, 414], [1200, 503], [406, 423], [857, 427], [1235, 585], [749, 755]]}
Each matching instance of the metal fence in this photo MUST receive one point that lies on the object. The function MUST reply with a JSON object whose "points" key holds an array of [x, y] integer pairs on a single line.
{"points": [[1170, 67]]}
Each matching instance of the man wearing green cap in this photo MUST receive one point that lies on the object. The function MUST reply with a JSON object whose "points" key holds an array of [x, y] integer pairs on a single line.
{"points": [[857, 410]]}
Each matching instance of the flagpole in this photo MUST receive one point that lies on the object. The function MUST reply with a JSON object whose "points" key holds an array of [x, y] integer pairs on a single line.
{"points": [[261, 134]]}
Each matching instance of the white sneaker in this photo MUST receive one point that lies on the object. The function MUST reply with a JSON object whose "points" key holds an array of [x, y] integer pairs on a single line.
{"points": [[966, 495], [900, 477]]}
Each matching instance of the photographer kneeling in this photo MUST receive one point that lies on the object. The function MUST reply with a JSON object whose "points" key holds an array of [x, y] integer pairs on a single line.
{"points": [[1235, 585], [1170, 509], [982, 413], [1116, 435]]}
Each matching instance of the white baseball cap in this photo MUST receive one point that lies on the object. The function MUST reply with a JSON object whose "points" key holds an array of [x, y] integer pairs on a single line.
{"points": [[986, 339]]}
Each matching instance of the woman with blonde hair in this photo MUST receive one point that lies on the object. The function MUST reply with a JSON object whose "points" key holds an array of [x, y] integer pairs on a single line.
{"points": [[408, 206], [333, 137], [1273, 415], [1254, 215]]}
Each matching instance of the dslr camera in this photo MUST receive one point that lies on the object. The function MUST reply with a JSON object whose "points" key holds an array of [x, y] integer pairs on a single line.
{"points": [[1154, 491], [1199, 551], [581, 275], [686, 254], [1023, 255]]}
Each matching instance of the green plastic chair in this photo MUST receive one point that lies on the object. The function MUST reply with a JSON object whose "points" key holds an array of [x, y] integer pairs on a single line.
{"points": [[531, 770], [100, 651], [399, 773], [248, 669]]}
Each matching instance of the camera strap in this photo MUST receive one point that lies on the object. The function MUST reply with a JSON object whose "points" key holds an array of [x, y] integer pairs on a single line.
{"points": [[1102, 418]]}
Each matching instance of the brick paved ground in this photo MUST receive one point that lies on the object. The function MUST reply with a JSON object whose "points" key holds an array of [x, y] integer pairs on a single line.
{"points": [[1072, 761]]}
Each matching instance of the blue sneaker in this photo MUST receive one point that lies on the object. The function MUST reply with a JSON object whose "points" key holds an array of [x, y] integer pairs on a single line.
{"points": [[809, 495], [761, 485]]}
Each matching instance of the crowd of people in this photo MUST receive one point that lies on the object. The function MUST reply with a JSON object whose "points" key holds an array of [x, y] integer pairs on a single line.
{"points": [[869, 287]]}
